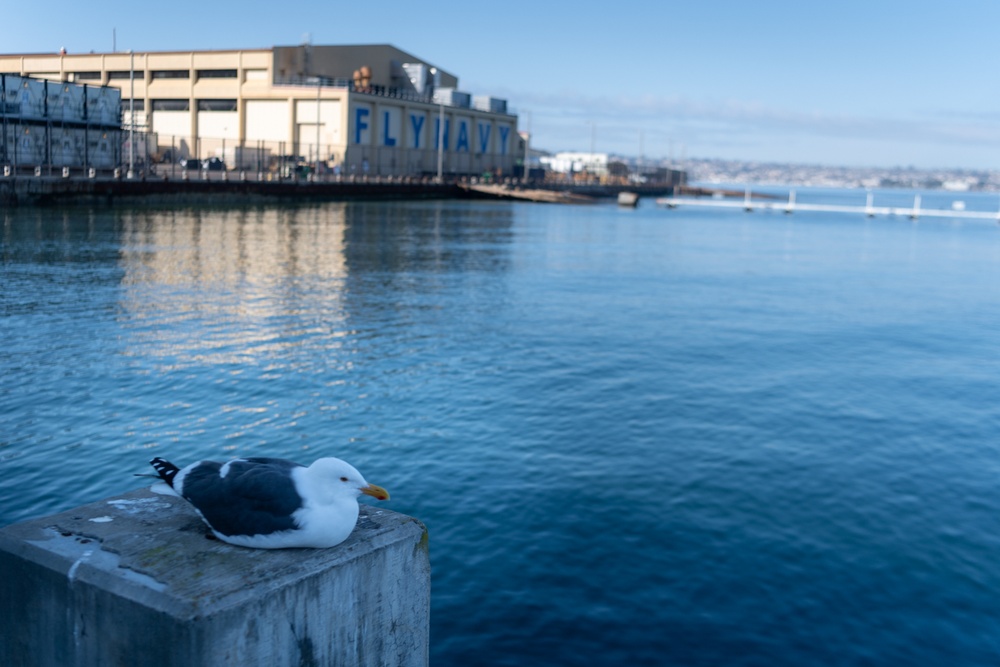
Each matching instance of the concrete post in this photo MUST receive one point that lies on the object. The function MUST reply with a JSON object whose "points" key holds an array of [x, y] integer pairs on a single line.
{"points": [[133, 580]]}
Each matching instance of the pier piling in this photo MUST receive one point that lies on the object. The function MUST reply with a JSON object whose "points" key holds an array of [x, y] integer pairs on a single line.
{"points": [[133, 580]]}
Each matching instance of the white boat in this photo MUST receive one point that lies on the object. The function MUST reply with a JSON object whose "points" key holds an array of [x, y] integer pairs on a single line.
{"points": [[630, 199]]}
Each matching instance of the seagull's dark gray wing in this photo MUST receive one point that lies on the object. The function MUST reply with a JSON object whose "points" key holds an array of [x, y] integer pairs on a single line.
{"points": [[256, 497]]}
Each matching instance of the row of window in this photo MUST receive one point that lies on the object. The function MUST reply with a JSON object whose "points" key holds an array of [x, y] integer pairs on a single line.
{"points": [[180, 105], [159, 74]]}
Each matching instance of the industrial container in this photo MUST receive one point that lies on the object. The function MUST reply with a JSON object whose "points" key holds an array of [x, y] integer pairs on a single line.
{"points": [[39, 100], [26, 145], [102, 153], [65, 102], [29, 98], [8, 104], [70, 146], [104, 106], [64, 147]]}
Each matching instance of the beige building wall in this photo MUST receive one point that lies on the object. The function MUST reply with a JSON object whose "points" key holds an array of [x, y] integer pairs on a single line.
{"points": [[266, 120]]}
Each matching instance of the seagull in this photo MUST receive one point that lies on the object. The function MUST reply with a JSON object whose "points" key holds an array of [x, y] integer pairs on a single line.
{"points": [[268, 503]]}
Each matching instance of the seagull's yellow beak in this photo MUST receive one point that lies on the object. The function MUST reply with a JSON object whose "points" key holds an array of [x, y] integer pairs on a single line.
{"points": [[375, 491]]}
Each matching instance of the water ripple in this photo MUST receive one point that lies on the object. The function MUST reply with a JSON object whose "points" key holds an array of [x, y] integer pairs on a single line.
{"points": [[636, 436]]}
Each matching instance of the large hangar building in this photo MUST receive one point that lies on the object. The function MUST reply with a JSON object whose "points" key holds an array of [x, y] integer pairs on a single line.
{"points": [[356, 109]]}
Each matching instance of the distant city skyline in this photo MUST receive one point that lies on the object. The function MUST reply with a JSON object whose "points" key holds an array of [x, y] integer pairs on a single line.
{"points": [[886, 84]]}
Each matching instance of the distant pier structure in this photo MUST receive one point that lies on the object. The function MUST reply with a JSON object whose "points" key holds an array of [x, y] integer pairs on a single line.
{"points": [[748, 204]]}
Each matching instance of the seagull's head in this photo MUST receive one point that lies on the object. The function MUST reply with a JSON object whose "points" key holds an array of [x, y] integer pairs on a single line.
{"points": [[341, 478]]}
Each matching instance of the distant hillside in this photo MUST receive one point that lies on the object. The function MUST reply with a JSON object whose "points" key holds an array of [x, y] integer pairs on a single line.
{"points": [[731, 171]]}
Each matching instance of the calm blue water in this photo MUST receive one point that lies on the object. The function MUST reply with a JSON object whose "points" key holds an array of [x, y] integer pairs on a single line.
{"points": [[640, 437]]}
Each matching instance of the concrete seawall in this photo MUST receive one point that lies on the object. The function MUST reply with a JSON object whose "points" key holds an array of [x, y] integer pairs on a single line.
{"points": [[51, 191], [27, 190], [133, 580]]}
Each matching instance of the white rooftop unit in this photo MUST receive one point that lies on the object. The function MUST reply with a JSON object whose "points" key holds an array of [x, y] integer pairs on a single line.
{"points": [[452, 97], [491, 104], [419, 76]]}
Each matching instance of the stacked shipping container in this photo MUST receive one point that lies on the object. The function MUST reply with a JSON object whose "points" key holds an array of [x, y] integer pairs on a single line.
{"points": [[50, 123]]}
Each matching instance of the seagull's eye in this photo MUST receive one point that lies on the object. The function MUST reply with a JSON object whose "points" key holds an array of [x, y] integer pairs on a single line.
{"points": [[343, 479]]}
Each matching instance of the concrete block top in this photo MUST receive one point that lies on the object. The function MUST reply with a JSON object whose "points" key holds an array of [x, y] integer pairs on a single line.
{"points": [[154, 550]]}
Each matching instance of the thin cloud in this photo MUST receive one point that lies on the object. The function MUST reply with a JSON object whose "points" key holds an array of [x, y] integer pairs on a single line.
{"points": [[614, 113]]}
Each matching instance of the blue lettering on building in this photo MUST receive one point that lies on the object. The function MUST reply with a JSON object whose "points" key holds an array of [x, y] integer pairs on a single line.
{"points": [[389, 141], [359, 124], [504, 131], [463, 136], [437, 133], [417, 121], [484, 136]]}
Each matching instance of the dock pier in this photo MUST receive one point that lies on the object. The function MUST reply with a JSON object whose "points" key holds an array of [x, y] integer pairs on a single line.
{"points": [[748, 204]]}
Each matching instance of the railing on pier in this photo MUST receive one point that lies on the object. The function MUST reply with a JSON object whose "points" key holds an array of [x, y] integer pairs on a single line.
{"points": [[748, 204]]}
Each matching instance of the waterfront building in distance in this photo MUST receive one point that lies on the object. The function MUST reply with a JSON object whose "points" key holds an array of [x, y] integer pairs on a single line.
{"points": [[607, 169], [354, 109]]}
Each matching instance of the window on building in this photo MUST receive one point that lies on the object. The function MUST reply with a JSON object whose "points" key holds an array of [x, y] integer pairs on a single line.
{"points": [[86, 76], [171, 105], [124, 75], [216, 74], [216, 105], [140, 105], [170, 74]]}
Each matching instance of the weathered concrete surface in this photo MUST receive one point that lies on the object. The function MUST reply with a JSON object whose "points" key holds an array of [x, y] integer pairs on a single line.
{"points": [[133, 581]]}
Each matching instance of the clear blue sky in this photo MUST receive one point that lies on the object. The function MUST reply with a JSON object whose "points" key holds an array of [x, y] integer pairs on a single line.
{"points": [[864, 83]]}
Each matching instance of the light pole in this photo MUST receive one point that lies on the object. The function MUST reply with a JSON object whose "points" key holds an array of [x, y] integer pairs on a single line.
{"points": [[638, 167], [527, 150], [131, 114], [440, 141], [319, 86], [436, 80]]}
